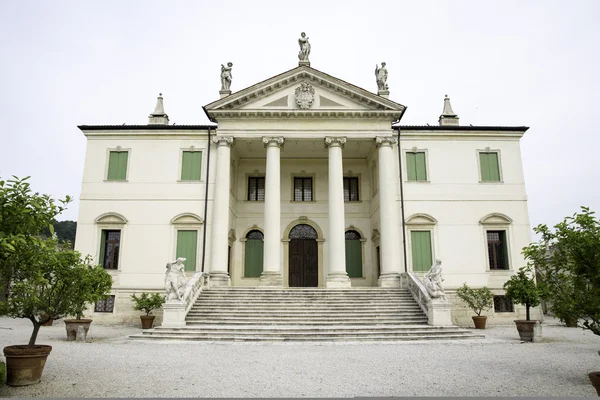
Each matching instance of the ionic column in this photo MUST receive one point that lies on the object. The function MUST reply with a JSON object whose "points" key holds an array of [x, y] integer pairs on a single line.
{"points": [[391, 266], [220, 216], [337, 276], [271, 275]]}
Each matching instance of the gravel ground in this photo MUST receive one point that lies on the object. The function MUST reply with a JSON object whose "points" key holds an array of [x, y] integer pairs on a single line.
{"points": [[111, 365]]}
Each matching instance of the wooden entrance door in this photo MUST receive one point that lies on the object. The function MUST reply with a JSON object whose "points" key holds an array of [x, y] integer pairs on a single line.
{"points": [[304, 258]]}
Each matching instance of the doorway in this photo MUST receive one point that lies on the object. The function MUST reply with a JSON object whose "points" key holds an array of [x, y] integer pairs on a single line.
{"points": [[304, 257]]}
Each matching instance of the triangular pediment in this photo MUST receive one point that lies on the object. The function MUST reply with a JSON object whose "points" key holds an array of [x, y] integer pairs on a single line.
{"points": [[304, 91]]}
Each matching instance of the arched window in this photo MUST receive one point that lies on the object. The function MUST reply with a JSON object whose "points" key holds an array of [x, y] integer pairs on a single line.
{"points": [[303, 231], [353, 254], [253, 260]]}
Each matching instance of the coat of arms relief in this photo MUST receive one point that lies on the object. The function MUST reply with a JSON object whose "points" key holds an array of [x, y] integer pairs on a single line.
{"points": [[305, 95]]}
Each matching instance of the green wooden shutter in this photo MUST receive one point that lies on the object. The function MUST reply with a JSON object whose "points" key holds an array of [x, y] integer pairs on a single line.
{"points": [[253, 260], [490, 169], [102, 248], [421, 250], [191, 165], [186, 248], [117, 166], [494, 167], [420, 166], [411, 166], [485, 167], [354, 258]]}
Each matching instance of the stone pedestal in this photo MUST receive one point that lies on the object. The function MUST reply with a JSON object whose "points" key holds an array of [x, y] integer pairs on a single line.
{"points": [[304, 63], [439, 313], [173, 314], [224, 93], [384, 93]]}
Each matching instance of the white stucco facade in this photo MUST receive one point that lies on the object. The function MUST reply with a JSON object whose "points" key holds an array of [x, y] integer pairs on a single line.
{"points": [[346, 132]]}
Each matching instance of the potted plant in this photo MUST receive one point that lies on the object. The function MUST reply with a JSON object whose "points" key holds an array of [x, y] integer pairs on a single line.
{"points": [[94, 284], [521, 289], [147, 302], [38, 275], [478, 300]]}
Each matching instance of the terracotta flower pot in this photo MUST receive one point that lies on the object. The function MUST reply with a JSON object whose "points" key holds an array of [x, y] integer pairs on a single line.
{"points": [[147, 321], [71, 325], [479, 321], [595, 379], [527, 330], [25, 364]]}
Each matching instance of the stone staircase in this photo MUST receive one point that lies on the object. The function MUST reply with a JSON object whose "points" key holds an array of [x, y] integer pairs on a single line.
{"points": [[305, 315]]}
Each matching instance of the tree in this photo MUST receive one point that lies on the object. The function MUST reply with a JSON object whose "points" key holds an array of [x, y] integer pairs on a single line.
{"points": [[65, 231], [567, 259], [521, 289], [40, 278], [477, 299]]}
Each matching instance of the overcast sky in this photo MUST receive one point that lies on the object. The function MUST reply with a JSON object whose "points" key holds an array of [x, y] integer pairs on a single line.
{"points": [[533, 63]]}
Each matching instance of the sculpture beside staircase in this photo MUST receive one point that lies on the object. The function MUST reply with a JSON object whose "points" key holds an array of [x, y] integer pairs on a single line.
{"points": [[181, 293], [430, 295]]}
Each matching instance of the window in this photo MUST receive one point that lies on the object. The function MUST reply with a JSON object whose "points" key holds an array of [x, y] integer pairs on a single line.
{"points": [[415, 166], [109, 249], [303, 189], [353, 254], [256, 189], [106, 304], [117, 166], [191, 165], [497, 252], [186, 248], [503, 304], [351, 189], [421, 250], [253, 259], [490, 168]]}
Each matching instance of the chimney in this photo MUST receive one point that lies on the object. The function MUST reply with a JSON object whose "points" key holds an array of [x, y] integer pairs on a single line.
{"points": [[158, 117], [448, 117]]}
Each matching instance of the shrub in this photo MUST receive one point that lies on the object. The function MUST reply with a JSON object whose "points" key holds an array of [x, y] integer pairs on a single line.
{"points": [[477, 299], [147, 302]]}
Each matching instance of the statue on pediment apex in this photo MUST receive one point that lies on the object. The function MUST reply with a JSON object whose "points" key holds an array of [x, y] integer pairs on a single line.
{"points": [[304, 47], [226, 76], [381, 76]]}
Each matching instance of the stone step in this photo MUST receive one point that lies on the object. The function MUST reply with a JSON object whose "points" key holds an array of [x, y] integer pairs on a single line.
{"points": [[253, 300], [351, 329], [306, 321], [321, 338], [328, 310], [283, 314]]}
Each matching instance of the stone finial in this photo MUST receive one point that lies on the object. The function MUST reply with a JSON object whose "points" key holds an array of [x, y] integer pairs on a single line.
{"points": [[304, 50], [158, 117], [448, 116]]}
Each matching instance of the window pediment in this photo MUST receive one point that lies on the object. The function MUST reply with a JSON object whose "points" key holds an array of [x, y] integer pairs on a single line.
{"points": [[495, 219], [421, 219], [187, 219], [111, 219]]}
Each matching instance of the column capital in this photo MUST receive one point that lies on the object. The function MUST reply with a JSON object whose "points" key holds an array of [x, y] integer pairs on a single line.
{"points": [[223, 140], [272, 141], [331, 141], [385, 141]]}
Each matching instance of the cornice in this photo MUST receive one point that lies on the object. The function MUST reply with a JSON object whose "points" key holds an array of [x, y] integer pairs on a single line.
{"points": [[278, 114]]}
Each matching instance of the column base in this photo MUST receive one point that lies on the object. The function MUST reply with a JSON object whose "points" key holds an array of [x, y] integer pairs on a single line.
{"points": [[338, 280], [389, 280], [272, 279], [219, 279]]}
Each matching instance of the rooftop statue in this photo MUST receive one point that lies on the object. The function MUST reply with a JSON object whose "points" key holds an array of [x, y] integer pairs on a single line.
{"points": [[304, 47], [226, 76], [381, 76]]}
